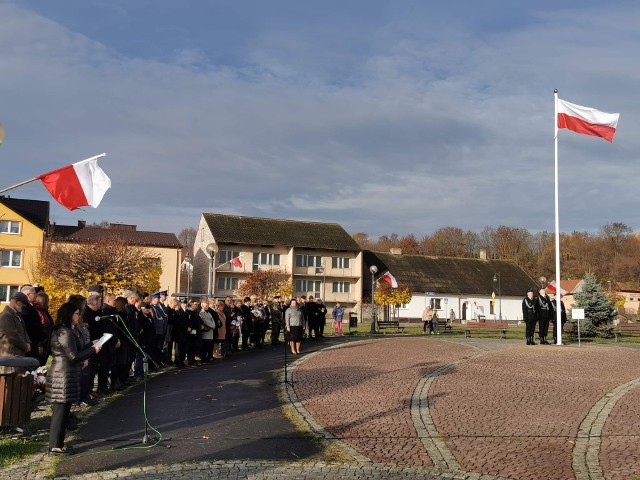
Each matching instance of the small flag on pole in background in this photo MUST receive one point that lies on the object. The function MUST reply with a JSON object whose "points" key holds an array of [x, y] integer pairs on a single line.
{"points": [[587, 121], [390, 279], [237, 262], [77, 185]]}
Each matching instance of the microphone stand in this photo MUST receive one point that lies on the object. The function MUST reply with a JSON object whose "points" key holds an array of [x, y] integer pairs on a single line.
{"points": [[146, 439]]}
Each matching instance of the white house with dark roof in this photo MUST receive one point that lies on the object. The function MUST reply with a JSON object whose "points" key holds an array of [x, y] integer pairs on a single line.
{"points": [[466, 285], [322, 258]]}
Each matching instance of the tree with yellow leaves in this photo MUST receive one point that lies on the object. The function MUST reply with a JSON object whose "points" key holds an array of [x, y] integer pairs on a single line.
{"points": [[266, 283], [71, 268], [392, 297]]}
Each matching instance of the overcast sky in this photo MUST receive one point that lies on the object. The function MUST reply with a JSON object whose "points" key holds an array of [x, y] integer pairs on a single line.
{"points": [[383, 116]]}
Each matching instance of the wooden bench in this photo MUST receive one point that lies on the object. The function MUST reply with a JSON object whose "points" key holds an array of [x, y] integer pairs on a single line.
{"points": [[627, 330], [486, 327], [445, 326], [384, 325]]}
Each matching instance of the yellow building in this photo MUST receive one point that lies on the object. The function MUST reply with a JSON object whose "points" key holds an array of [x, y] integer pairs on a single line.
{"points": [[23, 224]]}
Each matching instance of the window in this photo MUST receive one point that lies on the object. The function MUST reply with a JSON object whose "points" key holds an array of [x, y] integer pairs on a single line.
{"points": [[7, 226], [263, 258], [492, 305], [308, 286], [308, 261], [6, 291], [11, 258], [153, 262], [341, 287], [227, 255], [227, 283], [340, 262], [435, 304]]}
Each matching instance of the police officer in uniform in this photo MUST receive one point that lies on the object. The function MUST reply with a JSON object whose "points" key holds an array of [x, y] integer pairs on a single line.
{"points": [[545, 312], [529, 315]]}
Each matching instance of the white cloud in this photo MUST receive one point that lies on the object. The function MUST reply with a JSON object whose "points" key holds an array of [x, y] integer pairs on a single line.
{"points": [[429, 125]]}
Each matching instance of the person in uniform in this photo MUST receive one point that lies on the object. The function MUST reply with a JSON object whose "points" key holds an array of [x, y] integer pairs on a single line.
{"points": [[545, 312], [529, 316]]}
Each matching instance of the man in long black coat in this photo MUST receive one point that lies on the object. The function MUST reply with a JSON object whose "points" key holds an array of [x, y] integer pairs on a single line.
{"points": [[529, 315], [545, 312]]}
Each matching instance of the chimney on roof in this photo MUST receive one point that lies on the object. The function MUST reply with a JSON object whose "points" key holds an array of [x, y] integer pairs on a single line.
{"points": [[483, 254], [82, 223], [395, 251]]}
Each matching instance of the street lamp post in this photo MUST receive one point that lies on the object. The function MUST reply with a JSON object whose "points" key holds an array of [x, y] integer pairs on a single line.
{"points": [[373, 269], [212, 249], [497, 278], [543, 281]]}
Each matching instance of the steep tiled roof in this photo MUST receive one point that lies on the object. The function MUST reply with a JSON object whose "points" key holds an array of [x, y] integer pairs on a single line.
{"points": [[268, 231], [464, 276], [83, 234], [35, 211]]}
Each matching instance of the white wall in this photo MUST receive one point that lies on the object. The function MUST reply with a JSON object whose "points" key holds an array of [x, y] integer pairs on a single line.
{"points": [[476, 305]]}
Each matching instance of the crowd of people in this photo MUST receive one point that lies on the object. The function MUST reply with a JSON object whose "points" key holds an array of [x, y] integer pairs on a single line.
{"points": [[103, 343]]}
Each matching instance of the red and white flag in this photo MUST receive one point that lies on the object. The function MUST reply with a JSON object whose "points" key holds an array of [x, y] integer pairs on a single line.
{"points": [[390, 279], [587, 121], [78, 185], [552, 288], [237, 262]]}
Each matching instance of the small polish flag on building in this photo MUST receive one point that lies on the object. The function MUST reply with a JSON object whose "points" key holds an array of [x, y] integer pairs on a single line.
{"points": [[587, 121], [236, 261], [390, 279], [78, 185]]}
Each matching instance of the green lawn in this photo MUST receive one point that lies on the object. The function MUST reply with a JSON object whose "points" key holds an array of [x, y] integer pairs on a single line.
{"points": [[516, 332], [12, 451]]}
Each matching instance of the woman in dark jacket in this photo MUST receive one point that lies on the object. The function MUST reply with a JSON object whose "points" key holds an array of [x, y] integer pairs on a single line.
{"points": [[63, 377]]}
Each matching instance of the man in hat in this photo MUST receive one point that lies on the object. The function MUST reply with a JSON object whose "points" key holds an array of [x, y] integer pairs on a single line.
{"points": [[529, 315], [545, 312], [161, 318], [13, 334]]}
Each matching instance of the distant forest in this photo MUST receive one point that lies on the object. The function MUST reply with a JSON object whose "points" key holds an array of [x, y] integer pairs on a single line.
{"points": [[612, 254]]}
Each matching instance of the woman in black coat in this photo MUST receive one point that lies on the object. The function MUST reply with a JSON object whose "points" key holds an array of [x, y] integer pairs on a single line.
{"points": [[63, 377]]}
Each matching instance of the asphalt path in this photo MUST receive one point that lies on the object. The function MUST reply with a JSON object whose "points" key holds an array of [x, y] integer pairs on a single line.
{"points": [[225, 410]]}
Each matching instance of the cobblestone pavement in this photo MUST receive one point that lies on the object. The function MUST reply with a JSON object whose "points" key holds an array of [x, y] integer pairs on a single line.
{"points": [[434, 408], [496, 408]]}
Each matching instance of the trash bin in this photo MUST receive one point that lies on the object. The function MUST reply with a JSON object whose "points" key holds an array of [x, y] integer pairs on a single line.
{"points": [[16, 394], [353, 320]]}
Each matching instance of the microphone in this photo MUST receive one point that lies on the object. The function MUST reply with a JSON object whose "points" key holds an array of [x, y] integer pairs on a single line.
{"points": [[104, 317]]}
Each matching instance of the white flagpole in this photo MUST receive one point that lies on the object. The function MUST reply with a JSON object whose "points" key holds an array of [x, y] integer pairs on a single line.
{"points": [[557, 222]]}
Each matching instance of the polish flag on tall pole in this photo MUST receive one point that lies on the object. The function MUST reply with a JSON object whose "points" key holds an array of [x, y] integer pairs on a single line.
{"points": [[78, 185], [390, 279], [587, 121]]}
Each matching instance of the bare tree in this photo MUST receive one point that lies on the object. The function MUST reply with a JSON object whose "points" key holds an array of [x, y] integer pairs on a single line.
{"points": [[187, 237]]}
